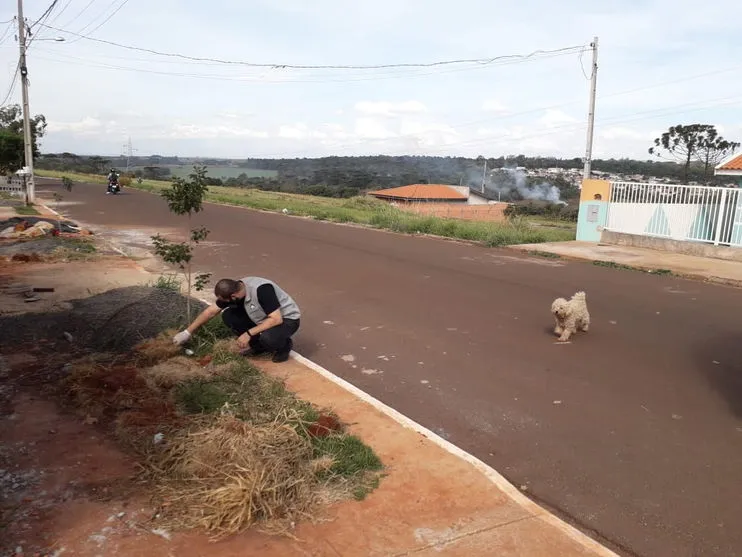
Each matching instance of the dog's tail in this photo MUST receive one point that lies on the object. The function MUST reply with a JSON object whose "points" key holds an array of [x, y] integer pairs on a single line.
{"points": [[580, 296]]}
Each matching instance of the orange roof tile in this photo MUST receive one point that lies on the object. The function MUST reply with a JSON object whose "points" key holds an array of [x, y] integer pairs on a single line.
{"points": [[733, 164], [421, 191]]}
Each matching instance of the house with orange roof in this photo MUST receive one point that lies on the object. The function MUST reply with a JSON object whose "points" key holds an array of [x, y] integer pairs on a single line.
{"points": [[731, 167], [422, 193], [440, 200]]}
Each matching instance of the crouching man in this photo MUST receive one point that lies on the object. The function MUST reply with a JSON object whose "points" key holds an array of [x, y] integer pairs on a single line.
{"points": [[259, 313]]}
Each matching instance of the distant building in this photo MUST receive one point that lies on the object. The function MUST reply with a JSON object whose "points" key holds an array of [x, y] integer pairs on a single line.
{"points": [[439, 200], [731, 167], [422, 193]]}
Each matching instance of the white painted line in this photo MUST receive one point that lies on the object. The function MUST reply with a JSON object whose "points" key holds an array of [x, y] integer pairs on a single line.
{"points": [[52, 210], [493, 475]]}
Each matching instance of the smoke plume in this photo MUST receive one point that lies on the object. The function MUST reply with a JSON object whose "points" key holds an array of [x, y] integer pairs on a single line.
{"points": [[511, 184]]}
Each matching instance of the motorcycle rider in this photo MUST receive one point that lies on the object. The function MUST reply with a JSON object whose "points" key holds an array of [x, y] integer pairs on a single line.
{"points": [[113, 180]]}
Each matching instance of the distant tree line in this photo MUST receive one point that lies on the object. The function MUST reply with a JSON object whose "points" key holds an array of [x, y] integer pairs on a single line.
{"points": [[344, 177], [692, 150]]}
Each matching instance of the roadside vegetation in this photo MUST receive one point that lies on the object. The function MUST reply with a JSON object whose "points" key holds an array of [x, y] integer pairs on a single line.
{"points": [[519, 229], [224, 446]]}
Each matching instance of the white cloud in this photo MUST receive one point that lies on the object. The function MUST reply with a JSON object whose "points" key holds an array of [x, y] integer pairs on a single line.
{"points": [[372, 128], [493, 105], [296, 131], [169, 106], [385, 108], [86, 125], [196, 131], [553, 118]]}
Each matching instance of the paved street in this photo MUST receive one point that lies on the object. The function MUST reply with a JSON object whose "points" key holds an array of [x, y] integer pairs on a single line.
{"points": [[633, 432]]}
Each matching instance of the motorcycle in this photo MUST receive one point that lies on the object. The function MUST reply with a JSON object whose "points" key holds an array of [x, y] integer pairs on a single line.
{"points": [[113, 187]]}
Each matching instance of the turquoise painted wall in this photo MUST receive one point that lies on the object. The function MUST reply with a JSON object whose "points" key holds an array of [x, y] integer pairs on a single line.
{"points": [[592, 216]]}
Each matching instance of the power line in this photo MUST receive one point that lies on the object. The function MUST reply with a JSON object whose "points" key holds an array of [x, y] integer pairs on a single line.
{"points": [[74, 18], [262, 79], [46, 13], [60, 12], [101, 24], [39, 21], [484, 61], [13, 82], [6, 34]]}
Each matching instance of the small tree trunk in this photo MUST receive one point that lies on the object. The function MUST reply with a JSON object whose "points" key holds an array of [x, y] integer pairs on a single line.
{"points": [[687, 166], [188, 273], [188, 294]]}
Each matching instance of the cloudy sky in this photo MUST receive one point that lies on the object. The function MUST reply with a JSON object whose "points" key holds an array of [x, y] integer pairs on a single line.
{"points": [[662, 62]]}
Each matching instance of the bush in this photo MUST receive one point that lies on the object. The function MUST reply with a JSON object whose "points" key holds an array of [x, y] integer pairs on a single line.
{"points": [[125, 181], [542, 209]]}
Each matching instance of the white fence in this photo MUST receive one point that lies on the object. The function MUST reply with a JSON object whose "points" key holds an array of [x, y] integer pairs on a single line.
{"points": [[687, 213], [12, 184]]}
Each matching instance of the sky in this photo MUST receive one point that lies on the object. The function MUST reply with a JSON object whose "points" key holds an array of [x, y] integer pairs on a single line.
{"points": [[660, 63]]}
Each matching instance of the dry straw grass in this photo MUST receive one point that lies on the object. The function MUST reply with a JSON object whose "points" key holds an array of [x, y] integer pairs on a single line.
{"points": [[155, 350], [169, 373], [231, 475], [238, 451]]}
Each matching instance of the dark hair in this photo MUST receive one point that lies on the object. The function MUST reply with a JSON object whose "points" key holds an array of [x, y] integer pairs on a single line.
{"points": [[225, 288]]}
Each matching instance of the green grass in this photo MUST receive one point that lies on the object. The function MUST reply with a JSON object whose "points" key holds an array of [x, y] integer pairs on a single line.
{"points": [[167, 282], [26, 210], [252, 396], [351, 456], [544, 254], [75, 249], [370, 212], [622, 267]]}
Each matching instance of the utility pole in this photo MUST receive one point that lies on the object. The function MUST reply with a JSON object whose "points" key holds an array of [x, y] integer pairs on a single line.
{"points": [[27, 138], [591, 113]]}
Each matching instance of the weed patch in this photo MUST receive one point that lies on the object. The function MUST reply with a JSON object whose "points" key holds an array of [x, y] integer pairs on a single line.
{"points": [[26, 210], [622, 267], [236, 448]]}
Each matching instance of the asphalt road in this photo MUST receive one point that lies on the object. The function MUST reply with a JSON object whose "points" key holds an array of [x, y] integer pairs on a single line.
{"points": [[633, 431]]}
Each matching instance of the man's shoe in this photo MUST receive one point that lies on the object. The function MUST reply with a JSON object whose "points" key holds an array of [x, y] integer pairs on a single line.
{"points": [[283, 354]]}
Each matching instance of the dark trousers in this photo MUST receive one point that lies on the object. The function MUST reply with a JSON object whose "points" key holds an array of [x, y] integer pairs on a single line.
{"points": [[274, 339]]}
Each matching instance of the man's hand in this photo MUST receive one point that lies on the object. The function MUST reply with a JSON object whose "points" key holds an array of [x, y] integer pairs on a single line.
{"points": [[243, 341], [182, 337]]}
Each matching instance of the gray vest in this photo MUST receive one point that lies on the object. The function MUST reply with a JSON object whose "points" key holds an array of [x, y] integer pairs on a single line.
{"points": [[289, 309]]}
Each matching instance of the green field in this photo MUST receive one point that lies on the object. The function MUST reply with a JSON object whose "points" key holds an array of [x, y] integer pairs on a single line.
{"points": [[222, 172], [370, 212]]}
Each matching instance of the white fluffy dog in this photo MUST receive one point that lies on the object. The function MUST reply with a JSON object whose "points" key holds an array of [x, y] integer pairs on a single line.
{"points": [[570, 315]]}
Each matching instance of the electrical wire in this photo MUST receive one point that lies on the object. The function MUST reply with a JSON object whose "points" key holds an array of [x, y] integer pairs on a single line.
{"points": [[45, 14], [77, 16], [485, 61], [101, 24], [32, 28], [7, 31], [60, 12], [281, 80], [13, 82]]}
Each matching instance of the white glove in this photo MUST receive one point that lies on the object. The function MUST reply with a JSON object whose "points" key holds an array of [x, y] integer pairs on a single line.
{"points": [[182, 337]]}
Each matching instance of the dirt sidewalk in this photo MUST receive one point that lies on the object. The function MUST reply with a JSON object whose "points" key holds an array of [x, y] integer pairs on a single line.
{"points": [[688, 266], [434, 500]]}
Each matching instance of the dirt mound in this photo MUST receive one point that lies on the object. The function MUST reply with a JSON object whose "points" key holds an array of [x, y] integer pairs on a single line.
{"points": [[114, 321]]}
